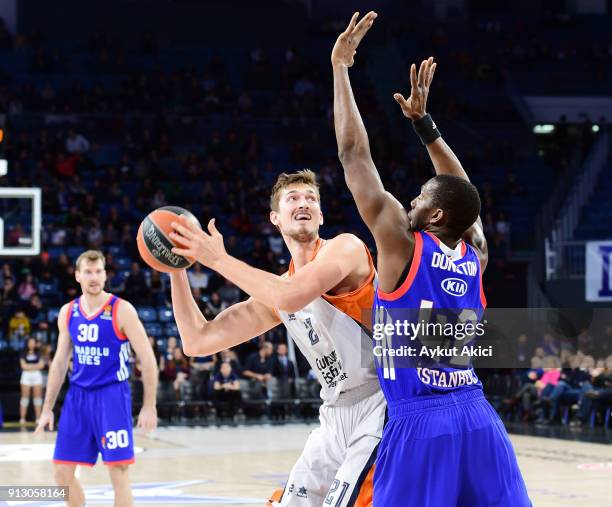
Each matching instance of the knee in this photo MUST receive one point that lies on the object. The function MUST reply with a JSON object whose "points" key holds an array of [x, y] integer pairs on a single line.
{"points": [[63, 474], [117, 472]]}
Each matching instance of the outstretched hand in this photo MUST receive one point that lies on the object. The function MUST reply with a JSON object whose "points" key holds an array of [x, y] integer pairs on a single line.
{"points": [[414, 106], [345, 48], [206, 248]]}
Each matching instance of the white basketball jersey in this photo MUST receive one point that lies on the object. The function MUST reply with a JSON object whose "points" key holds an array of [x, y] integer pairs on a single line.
{"points": [[329, 333]]}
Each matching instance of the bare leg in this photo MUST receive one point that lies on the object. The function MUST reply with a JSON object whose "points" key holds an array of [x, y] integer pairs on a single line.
{"points": [[38, 400], [24, 402], [121, 484], [64, 476]]}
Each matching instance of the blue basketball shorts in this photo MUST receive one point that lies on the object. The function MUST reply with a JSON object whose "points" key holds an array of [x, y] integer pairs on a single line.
{"points": [[449, 450], [96, 421]]}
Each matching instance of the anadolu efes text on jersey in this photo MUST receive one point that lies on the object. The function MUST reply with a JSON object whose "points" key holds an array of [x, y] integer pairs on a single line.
{"points": [[425, 331], [101, 352]]}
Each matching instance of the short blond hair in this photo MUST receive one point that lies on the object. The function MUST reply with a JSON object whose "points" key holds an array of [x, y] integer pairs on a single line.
{"points": [[91, 256], [305, 176]]}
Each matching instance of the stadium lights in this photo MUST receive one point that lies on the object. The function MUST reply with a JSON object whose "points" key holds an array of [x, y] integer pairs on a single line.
{"points": [[3, 167], [546, 128], [595, 128]]}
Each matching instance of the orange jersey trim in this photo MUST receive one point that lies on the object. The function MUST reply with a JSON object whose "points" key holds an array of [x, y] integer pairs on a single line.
{"points": [[118, 463], [414, 268], [91, 317], [357, 303], [366, 492], [116, 327], [66, 462]]}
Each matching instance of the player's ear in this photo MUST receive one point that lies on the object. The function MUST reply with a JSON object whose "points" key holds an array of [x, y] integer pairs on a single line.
{"points": [[321, 218], [274, 218], [437, 216]]}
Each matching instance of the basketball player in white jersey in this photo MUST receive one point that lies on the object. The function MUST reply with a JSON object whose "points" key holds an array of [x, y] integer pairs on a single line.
{"points": [[321, 301]]}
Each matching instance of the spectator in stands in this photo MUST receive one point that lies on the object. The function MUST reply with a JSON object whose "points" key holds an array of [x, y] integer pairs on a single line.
{"points": [[31, 381], [19, 326], [35, 311], [546, 384], [284, 370], [229, 356], [230, 294], [27, 288], [76, 144], [213, 306], [157, 289], [549, 345], [586, 344], [258, 367], [226, 388], [198, 279], [176, 370], [6, 274], [570, 385], [598, 392], [528, 392], [136, 285], [168, 354]]}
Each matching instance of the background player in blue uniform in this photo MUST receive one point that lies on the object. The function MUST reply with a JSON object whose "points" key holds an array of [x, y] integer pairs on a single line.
{"points": [[96, 416], [443, 445]]}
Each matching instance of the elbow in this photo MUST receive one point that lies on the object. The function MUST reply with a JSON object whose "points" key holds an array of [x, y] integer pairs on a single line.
{"points": [[289, 304]]}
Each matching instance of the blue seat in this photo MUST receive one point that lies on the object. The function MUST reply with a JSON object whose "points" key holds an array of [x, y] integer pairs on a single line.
{"points": [[123, 262], [74, 251], [147, 314], [52, 314], [165, 314], [171, 329], [153, 329], [55, 251]]}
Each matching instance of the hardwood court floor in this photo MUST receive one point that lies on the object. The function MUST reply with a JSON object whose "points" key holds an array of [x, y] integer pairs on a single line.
{"points": [[239, 466]]}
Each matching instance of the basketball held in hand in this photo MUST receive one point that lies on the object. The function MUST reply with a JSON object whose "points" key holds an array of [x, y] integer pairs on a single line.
{"points": [[154, 243]]}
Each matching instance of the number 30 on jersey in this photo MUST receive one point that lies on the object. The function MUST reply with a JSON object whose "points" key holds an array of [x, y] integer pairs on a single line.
{"points": [[88, 333]]}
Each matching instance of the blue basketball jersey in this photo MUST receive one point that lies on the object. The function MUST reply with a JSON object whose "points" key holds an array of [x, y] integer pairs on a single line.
{"points": [[101, 352], [438, 306]]}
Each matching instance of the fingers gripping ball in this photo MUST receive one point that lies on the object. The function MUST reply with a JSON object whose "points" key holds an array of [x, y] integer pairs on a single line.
{"points": [[154, 243]]}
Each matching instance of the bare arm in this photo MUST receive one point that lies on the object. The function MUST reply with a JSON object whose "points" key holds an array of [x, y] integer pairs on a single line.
{"points": [[234, 325], [132, 327], [57, 371], [382, 213], [443, 158], [341, 257]]}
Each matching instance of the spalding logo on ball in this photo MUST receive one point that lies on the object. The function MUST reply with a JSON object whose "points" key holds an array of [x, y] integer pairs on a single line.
{"points": [[154, 243]]}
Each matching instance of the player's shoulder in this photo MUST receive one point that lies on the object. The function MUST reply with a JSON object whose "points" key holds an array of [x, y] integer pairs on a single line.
{"points": [[346, 241], [63, 311]]}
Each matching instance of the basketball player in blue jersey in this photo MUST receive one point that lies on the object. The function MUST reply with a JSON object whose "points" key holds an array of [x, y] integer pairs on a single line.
{"points": [[96, 417], [444, 445]]}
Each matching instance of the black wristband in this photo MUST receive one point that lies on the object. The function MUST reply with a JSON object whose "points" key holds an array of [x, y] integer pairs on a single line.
{"points": [[426, 129]]}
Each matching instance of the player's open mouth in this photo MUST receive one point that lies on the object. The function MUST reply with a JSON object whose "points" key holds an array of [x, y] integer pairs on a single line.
{"points": [[302, 216]]}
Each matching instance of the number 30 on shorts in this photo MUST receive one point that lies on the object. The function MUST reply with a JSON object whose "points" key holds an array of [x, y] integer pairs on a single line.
{"points": [[116, 439]]}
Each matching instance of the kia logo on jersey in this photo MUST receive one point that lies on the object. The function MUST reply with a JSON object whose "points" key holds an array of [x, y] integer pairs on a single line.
{"points": [[454, 286]]}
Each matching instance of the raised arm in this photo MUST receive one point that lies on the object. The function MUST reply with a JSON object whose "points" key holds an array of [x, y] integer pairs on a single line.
{"points": [[235, 325], [443, 158], [382, 213], [57, 371], [343, 256]]}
